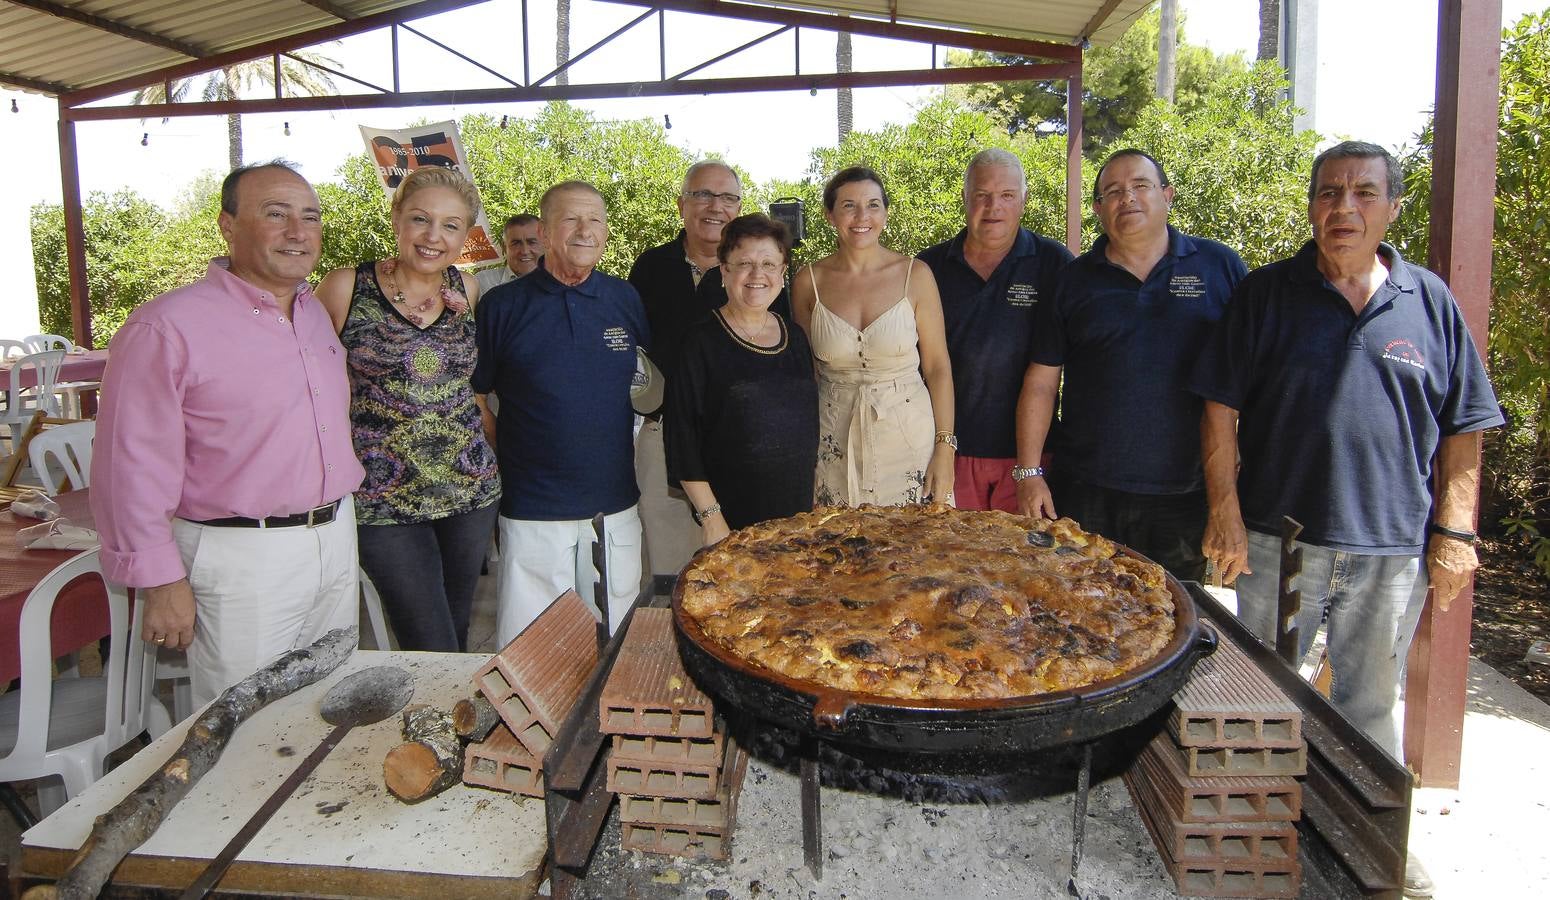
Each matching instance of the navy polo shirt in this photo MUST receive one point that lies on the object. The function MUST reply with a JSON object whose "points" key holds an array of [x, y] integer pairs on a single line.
{"points": [[560, 359], [989, 324], [1340, 414], [1128, 421]]}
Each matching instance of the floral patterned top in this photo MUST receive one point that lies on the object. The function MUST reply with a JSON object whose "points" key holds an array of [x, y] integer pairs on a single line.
{"points": [[413, 417]]}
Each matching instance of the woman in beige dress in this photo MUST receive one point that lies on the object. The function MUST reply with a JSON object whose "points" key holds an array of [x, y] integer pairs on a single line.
{"points": [[885, 387]]}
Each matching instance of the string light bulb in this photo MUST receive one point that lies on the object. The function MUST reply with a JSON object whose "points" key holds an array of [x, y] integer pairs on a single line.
{"points": [[667, 121], [812, 91], [14, 107], [287, 129], [145, 139]]}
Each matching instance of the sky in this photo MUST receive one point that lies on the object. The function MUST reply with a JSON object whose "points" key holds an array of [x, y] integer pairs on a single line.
{"points": [[769, 135]]}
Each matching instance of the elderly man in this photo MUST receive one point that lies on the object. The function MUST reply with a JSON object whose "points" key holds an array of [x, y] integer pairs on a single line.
{"points": [[1338, 375], [523, 245], [992, 276], [1127, 320], [223, 467], [558, 349], [680, 282]]}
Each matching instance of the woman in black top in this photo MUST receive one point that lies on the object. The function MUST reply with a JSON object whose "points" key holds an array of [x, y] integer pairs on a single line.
{"points": [[741, 425]]}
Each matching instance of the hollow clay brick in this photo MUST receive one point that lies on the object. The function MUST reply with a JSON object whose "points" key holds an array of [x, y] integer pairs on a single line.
{"points": [[648, 692], [534, 681]]}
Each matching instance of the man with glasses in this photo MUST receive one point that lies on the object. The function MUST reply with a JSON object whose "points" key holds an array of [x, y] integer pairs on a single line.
{"points": [[1129, 317], [679, 283], [992, 276]]}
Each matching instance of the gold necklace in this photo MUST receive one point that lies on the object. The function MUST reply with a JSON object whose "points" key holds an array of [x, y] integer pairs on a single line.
{"points": [[764, 325], [412, 312]]}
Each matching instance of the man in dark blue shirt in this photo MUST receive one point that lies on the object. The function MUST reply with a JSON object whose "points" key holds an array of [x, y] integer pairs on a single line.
{"points": [[992, 276], [558, 348], [1125, 323], [1338, 375]]}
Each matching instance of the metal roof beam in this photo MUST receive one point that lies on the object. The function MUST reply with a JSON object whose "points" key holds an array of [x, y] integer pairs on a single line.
{"points": [[112, 26], [332, 9], [1099, 17], [267, 48], [33, 84], [968, 40], [687, 86]]}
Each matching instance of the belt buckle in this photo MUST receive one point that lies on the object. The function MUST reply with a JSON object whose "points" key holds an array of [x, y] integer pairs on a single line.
{"points": [[312, 516]]}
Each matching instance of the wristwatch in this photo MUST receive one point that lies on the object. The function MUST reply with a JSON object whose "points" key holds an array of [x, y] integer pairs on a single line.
{"points": [[1468, 537], [701, 515], [1021, 472], [948, 438]]}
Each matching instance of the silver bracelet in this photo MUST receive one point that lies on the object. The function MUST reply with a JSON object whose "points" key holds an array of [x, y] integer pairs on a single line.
{"points": [[701, 515]]}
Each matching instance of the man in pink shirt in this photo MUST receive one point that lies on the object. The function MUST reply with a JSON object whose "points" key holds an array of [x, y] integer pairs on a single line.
{"points": [[223, 466]]}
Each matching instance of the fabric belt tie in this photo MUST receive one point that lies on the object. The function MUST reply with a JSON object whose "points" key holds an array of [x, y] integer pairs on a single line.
{"points": [[874, 401], [312, 518]]}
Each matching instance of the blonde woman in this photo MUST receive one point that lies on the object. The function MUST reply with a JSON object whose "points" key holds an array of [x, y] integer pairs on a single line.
{"points": [[885, 385], [427, 507]]}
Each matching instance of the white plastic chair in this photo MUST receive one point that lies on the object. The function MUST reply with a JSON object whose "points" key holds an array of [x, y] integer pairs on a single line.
{"points": [[22, 402], [373, 603], [69, 448], [66, 727], [10, 348], [37, 343]]}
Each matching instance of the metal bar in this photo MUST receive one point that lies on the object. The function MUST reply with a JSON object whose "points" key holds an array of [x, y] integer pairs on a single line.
{"points": [[261, 50], [733, 52], [812, 808], [468, 59], [923, 34], [75, 235], [600, 586], [662, 45], [565, 66], [1084, 783], [279, 80], [1099, 17], [1289, 601], [1462, 218], [1356, 796], [797, 49], [580, 819], [1073, 160], [894, 78], [332, 9], [113, 27], [397, 83], [339, 74], [52, 88], [526, 75]]}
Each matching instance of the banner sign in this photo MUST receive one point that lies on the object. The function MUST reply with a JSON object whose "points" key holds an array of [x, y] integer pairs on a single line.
{"points": [[397, 152]]}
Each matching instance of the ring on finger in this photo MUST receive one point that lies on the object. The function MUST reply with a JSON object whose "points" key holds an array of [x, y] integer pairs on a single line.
{"points": [[160, 639]]}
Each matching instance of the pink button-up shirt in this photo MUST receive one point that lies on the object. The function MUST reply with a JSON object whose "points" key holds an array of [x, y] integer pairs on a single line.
{"points": [[215, 404]]}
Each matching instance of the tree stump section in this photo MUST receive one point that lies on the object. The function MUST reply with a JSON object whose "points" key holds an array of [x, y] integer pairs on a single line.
{"points": [[474, 718], [429, 761]]}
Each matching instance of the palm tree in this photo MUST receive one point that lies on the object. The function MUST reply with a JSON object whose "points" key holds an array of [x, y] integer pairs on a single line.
{"points": [[1269, 29], [844, 107], [231, 82], [562, 39]]}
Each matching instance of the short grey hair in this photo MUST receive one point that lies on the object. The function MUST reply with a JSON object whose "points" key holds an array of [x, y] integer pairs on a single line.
{"points": [[1360, 150], [994, 157], [704, 164], [566, 187]]}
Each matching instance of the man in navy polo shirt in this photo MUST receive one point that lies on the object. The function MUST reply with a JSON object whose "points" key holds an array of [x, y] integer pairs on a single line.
{"points": [[992, 276], [557, 347], [1126, 322], [1337, 376]]}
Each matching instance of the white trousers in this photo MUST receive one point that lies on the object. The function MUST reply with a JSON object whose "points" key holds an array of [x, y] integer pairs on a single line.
{"points": [[671, 535], [542, 560], [259, 592]]}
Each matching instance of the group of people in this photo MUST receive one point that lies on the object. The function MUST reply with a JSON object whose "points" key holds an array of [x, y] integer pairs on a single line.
{"points": [[260, 441]]}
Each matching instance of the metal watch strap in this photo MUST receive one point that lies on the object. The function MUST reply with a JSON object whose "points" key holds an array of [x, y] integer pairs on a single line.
{"points": [[701, 515], [1021, 472], [1468, 537]]}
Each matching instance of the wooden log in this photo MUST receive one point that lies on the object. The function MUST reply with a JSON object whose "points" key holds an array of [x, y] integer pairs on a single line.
{"points": [[474, 718], [136, 817], [429, 761]]}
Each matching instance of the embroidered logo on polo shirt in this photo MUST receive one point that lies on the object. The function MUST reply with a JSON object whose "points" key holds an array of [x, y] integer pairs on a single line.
{"points": [[1402, 351], [1189, 287], [1021, 295], [617, 338]]}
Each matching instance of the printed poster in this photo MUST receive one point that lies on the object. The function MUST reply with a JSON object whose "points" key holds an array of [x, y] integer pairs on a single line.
{"points": [[397, 152]]}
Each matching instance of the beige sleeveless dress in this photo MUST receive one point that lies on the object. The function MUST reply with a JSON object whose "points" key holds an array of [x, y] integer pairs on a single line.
{"points": [[875, 425]]}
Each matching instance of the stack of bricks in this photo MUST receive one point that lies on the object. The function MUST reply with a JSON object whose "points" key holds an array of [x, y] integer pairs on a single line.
{"points": [[677, 774], [532, 683], [1218, 790]]}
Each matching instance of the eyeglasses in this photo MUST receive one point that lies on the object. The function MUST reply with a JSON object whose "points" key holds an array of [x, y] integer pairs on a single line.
{"points": [[745, 267], [1140, 190], [708, 196]]}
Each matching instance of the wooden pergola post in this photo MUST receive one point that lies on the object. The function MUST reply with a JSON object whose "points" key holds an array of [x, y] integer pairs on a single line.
{"points": [[75, 234], [1074, 158], [1463, 214]]}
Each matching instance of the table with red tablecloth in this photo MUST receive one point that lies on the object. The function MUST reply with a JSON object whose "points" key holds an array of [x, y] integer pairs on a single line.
{"points": [[81, 612], [87, 366]]}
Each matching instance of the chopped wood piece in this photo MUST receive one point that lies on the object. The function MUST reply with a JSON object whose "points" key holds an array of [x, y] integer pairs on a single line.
{"points": [[136, 817], [474, 718], [430, 760]]}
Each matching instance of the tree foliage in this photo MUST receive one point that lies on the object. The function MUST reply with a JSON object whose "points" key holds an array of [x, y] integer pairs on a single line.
{"points": [[1117, 84]]}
